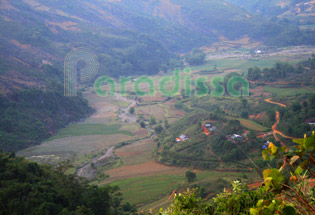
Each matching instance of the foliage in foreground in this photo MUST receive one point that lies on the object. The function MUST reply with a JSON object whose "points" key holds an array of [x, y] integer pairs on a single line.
{"points": [[29, 188], [287, 190]]}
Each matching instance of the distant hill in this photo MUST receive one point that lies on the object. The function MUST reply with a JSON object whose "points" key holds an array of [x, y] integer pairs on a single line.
{"points": [[301, 11], [130, 37]]}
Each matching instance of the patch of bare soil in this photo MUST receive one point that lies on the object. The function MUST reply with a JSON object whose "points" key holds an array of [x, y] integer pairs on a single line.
{"points": [[259, 92], [15, 80]]}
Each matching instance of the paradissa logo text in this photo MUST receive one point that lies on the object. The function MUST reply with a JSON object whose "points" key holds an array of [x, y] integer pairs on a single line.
{"points": [[171, 86]]}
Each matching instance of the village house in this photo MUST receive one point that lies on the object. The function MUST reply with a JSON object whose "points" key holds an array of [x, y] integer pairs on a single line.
{"points": [[311, 122], [182, 138], [237, 137]]}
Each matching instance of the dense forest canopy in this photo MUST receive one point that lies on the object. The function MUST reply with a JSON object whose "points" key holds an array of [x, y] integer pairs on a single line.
{"points": [[30, 188]]}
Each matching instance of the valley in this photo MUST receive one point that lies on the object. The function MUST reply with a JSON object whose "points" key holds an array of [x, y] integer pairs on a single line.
{"points": [[168, 107], [110, 147]]}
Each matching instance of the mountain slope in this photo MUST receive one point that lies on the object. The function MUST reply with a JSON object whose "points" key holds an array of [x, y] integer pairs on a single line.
{"points": [[301, 11]]}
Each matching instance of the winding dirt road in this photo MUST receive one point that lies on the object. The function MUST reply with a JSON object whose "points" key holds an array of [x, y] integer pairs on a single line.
{"points": [[274, 127]]}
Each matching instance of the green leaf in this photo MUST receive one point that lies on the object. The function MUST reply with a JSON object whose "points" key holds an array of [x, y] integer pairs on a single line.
{"points": [[273, 148], [298, 141], [268, 183], [266, 173], [266, 154], [254, 211], [299, 170], [288, 211], [260, 202], [309, 143], [276, 176]]}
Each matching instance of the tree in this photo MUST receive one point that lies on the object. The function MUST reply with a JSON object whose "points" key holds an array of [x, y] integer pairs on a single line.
{"points": [[196, 58], [188, 203], [142, 124], [158, 129], [190, 176], [166, 125], [245, 103], [132, 110], [244, 114], [42, 189], [152, 120]]}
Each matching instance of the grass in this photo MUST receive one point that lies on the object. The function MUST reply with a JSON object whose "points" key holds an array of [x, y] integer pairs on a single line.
{"points": [[122, 104], [90, 129], [239, 64], [287, 91], [242, 64], [252, 125], [148, 189], [153, 191]]}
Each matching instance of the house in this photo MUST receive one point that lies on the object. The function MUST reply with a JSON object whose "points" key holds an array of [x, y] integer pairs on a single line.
{"points": [[311, 122], [208, 125], [212, 128], [258, 51], [182, 138], [236, 137]]}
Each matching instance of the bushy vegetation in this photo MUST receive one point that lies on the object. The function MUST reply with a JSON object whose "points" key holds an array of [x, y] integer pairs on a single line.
{"points": [[32, 115], [196, 58], [286, 190], [294, 120], [282, 71], [30, 188]]}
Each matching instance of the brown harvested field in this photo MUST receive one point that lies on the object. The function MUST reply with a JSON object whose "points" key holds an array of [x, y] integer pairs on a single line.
{"points": [[151, 110], [150, 168], [104, 110]]}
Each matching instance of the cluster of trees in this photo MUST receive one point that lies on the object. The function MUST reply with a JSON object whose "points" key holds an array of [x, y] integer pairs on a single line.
{"points": [[197, 57], [294, 119], [30, 188], [32, 115], [280, 71]]}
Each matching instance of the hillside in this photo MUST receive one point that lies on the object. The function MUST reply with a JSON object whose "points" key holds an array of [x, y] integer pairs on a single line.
{"points": [[299, 11], [129, 38], [237, 124], [30, 188]]}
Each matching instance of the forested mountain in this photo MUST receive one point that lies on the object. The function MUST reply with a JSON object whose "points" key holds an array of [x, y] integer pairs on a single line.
{"points": [[129, 37]]}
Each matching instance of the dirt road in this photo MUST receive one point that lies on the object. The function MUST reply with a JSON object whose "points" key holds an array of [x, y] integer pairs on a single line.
{"points": [[124, 114], [89, 170], [274, 127]]}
